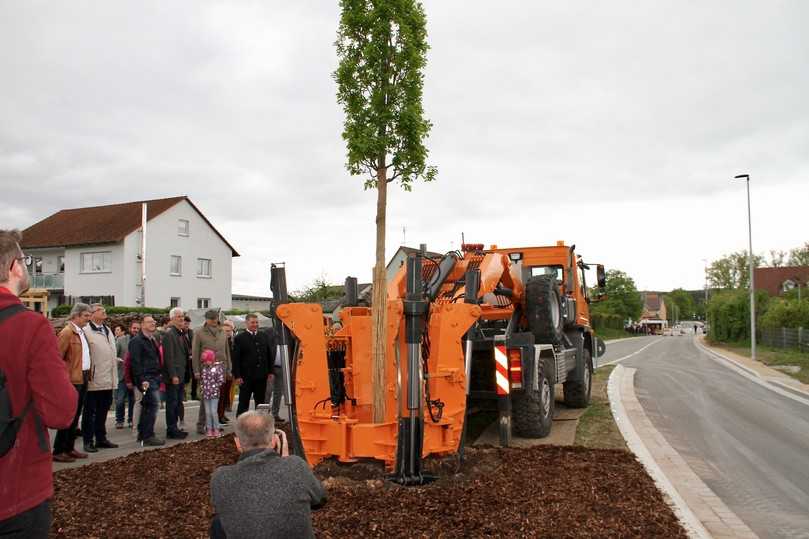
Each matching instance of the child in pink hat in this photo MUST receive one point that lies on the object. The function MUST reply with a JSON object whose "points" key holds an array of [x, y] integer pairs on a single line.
{"points": [[213, 376]]}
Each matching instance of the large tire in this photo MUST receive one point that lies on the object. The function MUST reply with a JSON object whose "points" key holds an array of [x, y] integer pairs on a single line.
{"points": [[532, 411], [577, 393], [543, 309]]}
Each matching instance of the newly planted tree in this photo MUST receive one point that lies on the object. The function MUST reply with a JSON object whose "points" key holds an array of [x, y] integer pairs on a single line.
{"points": [[382, 48]]}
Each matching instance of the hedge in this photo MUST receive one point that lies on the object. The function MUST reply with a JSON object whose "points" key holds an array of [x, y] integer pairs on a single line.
{"points": [[64, 310], [607, 320], [786, 313], [729, 314]]}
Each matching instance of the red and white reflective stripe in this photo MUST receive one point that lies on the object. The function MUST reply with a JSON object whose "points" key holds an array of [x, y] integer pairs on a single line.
{"points": [[501, 370]]}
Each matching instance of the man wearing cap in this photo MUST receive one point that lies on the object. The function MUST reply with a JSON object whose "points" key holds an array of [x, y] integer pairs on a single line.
{"points": [[210, 336]]}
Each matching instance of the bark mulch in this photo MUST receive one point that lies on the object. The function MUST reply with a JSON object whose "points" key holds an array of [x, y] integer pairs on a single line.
{"points": [[543, 491]]}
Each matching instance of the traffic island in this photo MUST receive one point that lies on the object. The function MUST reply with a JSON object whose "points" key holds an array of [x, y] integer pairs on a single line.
{"points": [[545, 491]]}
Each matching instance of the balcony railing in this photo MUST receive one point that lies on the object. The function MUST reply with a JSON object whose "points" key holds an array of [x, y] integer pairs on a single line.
{"points": [[49, 281]]}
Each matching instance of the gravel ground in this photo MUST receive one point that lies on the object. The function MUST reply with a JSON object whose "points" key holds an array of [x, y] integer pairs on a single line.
{"points": [[544, 491]]}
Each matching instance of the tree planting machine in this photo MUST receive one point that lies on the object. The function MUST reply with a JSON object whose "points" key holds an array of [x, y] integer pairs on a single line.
{"points": [[493, 325]]}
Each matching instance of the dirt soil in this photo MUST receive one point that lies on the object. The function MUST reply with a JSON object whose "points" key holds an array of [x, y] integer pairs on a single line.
{"points": [[544, 491]]}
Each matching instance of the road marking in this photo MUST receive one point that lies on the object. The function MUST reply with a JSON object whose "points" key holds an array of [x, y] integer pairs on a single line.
{"points": [[748, 373], [705, 510], [628, 356]]}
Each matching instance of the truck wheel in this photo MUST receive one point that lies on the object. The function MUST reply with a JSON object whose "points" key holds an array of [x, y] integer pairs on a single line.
{"points": [[577, 393], [543, 309], [532, 410]]}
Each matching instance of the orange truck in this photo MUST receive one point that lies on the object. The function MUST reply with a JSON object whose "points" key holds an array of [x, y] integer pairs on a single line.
{"points": [[474, 328]]}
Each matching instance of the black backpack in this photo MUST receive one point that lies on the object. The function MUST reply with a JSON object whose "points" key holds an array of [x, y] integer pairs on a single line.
{"points": [[10, 425]]}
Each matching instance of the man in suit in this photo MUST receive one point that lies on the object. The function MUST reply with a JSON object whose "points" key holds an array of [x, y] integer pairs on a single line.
{"points": [[253, 357], [175, 357], [144, 354]]}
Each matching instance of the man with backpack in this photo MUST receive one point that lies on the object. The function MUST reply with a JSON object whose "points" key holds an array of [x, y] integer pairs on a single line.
{"points": [[35, 394]]}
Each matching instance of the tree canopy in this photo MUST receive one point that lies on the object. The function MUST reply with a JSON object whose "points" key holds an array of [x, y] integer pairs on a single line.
{"points": [[622, 297], [684, 302], [732, 271]]}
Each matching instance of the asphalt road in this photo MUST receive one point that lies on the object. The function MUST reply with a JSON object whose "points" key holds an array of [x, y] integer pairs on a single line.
{"points": [[750, 445]]}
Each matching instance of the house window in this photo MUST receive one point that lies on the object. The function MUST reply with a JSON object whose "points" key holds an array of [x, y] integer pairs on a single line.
{"points": [[203, 303], [183, 227], [176, 265], [204, 267], [60, 264], [96, 262], [175, 302]]}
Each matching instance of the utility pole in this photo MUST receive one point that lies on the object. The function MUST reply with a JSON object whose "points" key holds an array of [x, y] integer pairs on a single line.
{"points": [[143, 218], [746, 177]]}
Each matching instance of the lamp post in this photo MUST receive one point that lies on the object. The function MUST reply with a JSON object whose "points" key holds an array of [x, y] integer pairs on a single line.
{"points": [[746, 177], [705, 273]]}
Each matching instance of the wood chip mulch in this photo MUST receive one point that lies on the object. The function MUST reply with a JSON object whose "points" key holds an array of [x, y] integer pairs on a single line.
{"points": [[544, 491]]}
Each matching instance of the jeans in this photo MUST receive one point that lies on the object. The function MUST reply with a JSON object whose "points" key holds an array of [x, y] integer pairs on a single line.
{"points": [[150, 404], [257, 388], [94, 418], [211, 417], [123, 394], [174, 397], [31, 524], [66, 438]]}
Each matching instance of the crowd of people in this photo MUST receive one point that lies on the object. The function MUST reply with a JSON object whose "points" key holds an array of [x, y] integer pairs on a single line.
{"points": [[70, 382]]}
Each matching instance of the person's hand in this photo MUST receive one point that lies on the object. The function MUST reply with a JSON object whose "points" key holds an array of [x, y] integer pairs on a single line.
{"points": [[228, 376], [196, 375], [270, 377], [239, 381], [175, 380], [145, 385], [280, 438]]}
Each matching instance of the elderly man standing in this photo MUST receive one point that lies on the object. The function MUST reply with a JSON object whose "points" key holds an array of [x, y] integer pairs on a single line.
{"points": [[144, 355], [265, 494], [103, 378], [124, 394], [175, 356], [75, 352], [210, 336]]}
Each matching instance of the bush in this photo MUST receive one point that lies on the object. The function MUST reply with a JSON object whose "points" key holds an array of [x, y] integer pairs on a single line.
{"points": [[786, 313], [729, 314], [64, 310], [606, 320]]}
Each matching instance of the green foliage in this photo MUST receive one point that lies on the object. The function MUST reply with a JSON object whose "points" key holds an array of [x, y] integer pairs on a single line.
{"points": [[786, 313], [729, 314], [64, 310], [601, 321], [732, 271], [382, 47], [319, 290], [622, 298], [680, 303], [799, 256]]}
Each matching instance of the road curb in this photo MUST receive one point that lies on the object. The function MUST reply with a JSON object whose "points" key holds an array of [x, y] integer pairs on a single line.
{"points": [[678, 482]]}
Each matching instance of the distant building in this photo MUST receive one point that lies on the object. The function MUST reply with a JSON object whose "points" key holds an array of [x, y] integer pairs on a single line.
{"points": [[400, 257], [776, 281], [654, 314], [94, 254], [243, 302]]}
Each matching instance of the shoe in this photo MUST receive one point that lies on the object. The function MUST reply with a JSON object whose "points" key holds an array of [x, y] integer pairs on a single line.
{"points": [[119, 426], [179, 435], [90, 448], [201, 430], [129, 424], [154, 441], [106, 444], [63, 457], [77, 454], [224, 419]]}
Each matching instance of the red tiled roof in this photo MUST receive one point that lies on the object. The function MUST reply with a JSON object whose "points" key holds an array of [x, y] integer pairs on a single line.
{"points": [[772, 279], [99, 224], [652, 302]]}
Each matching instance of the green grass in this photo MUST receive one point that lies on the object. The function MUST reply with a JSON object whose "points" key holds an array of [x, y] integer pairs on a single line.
{"points": [[609, 333], [773, 357], [597, 427]]}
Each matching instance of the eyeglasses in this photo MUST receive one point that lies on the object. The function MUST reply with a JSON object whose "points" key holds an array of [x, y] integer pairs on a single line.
{"points": [[26, 259]]}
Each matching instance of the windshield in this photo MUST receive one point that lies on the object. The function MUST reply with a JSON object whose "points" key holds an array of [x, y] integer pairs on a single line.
{"points": [[556, 271]]}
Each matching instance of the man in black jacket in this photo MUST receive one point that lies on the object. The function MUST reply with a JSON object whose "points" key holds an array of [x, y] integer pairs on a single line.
{"points": [[144, 356], [175, 356], [253, 356]]}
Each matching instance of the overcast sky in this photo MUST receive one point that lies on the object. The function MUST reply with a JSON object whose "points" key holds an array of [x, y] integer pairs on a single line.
{"points": [[617, 126]]}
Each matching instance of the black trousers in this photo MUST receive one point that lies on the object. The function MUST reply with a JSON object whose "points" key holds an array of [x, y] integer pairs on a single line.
{"points": [[256, 388], [174, 400], [31, 524], [94, 418], [65, 438]]}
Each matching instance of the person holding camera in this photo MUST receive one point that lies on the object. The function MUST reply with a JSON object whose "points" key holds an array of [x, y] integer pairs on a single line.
{"points": [[267, 493]]}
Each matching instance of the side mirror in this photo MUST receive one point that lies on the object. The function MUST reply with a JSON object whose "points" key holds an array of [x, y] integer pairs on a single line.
{"points": [[601, 276]]}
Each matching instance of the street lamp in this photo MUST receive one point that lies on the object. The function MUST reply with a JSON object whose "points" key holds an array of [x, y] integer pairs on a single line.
{"points": [[705, 273], [746, 177]]}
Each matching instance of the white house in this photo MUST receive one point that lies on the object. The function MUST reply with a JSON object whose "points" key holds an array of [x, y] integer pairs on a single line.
{"points": [[95, 254]]}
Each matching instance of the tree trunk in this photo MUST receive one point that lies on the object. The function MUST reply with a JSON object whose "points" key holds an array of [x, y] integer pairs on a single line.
{"points": [[379, 303]]}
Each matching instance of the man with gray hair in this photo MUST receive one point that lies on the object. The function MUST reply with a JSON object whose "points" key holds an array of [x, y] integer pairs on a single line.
{"points": [[75, 352], [265, 494], [175, 356]]}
